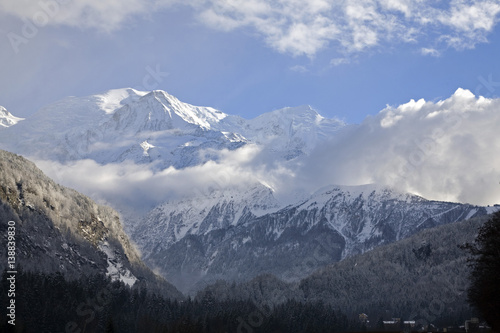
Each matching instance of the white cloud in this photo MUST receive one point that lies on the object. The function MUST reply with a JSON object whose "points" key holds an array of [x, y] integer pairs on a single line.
{"points": [[477, 16], [443, 150], [140, 187], [340, 61], [296, 27], [306, 27], [292, 26], [299, 69], [430, 52], [106, 15]]}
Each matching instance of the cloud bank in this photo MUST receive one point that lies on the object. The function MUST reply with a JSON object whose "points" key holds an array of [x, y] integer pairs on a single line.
{"points": [[445, 150], [140, 187], [292, 26]]}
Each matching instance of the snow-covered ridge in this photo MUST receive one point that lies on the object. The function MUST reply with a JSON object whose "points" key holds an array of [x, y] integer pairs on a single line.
{"points": [[291, 131], [117, 125], [200, 214], [7, 119], [364, 192]]}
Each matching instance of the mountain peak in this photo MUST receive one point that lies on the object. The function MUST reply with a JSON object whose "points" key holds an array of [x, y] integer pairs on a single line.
{"points": [[157, 106], [113, 99], [291, 113], [7, 119]]}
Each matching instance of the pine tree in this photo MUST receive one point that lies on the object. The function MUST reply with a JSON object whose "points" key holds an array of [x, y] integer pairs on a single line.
{"points": [[109, 326], [484, 289]]}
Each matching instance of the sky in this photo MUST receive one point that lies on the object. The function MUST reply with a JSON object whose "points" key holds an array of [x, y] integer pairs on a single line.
{"points": [[409, 73], [347, 59]]}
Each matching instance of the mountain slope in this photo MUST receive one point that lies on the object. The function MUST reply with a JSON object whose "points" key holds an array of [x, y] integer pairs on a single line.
{"points": [[148, 137], [421, 278], [60, 230], [200, 214], [334, 223]]}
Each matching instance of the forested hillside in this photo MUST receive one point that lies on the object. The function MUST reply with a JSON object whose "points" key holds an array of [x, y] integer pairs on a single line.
{"points": [[49, 303], [60, 230], [421, 278]]}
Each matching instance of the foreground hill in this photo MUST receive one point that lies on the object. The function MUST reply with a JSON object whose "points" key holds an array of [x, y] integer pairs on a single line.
{"points": [[60, 230]]}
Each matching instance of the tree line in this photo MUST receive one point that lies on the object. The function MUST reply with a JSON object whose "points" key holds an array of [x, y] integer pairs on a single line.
{"points": [[51, 303]]}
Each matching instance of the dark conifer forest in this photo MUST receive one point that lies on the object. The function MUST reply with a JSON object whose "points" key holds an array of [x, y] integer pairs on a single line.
{"points": [[50, 303]]}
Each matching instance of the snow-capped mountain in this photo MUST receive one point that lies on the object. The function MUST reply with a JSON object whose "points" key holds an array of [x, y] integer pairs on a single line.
{"points": [[288, 132], [172, 221], [335, 222], [7, 119], [155, 127]]}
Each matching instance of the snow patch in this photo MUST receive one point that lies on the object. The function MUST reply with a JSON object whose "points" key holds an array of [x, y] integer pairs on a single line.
{"points": [[115, 268], [492, 209], [471, 213], [145, 145]]}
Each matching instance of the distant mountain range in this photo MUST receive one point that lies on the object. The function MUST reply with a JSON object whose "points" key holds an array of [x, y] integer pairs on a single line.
{"points": [[126, 124], [231, 229], [193, 245]]}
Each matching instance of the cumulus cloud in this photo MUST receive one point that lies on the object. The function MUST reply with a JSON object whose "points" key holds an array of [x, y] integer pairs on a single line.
{"points": [[445, 150], [292, 26]]}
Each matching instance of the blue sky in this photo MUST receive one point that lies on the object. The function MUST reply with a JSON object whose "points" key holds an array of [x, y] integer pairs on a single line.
{"points": [[347, 59]]}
